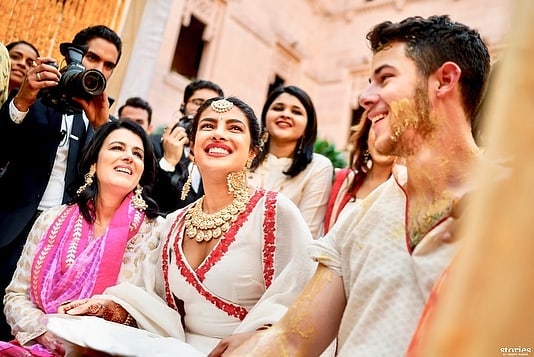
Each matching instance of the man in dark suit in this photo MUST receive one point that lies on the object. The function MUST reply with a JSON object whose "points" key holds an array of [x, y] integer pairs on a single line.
{"points": [[173, 154], [42, 145]]}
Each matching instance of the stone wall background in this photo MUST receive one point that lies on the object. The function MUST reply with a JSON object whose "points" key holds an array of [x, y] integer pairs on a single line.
{"points": [[318, 45]]}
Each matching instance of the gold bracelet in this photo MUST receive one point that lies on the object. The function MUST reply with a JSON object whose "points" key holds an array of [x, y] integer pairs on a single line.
{"points": [[130, 321]]}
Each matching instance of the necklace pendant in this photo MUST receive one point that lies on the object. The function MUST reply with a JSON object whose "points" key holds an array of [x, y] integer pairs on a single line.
{"points": [[191, 232], [217, 232], [200, 236], [207, 236]]}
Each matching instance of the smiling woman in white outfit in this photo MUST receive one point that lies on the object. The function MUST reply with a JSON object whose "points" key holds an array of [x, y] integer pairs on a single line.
{"points": [[288, 164], [233, 260]]}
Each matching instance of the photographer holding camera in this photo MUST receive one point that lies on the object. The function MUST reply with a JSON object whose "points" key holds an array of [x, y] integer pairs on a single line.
{"points": [[42, 136], [173, 154]]}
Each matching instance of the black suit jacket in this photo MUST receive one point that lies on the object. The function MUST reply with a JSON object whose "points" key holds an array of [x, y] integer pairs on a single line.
{"points": [[29, 149], [168, 187]]}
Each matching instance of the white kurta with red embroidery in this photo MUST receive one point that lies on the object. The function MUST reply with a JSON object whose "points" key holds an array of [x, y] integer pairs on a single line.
{"points": [[220, 297], [386, 282]]}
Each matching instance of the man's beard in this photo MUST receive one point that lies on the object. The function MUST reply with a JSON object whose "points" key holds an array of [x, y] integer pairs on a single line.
{"points": [[413, 121]]}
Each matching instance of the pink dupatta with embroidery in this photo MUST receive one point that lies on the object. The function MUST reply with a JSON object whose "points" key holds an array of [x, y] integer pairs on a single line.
{"points": [[72, 264]]}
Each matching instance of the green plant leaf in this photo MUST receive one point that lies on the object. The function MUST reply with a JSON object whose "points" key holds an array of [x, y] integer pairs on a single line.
{"points": [[325, 148]]}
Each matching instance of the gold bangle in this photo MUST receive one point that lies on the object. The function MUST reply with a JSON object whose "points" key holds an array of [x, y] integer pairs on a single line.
{"points": [[130, 321]]}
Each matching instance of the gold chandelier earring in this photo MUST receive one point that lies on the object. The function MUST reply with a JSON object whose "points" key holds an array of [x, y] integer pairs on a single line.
{"points": [[237, 181], [187, 185], [137, 199], [88, 181]]}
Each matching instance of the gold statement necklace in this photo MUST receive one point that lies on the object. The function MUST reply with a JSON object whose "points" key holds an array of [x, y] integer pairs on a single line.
{"points": [[202, 226]]}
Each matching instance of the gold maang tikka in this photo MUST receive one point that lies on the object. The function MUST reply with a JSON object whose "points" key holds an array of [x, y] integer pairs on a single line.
{"points": [[221, 105]]}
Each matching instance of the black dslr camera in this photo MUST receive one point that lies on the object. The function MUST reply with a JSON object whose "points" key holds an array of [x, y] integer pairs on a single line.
{"points": [[185, 122], [75, 81]]}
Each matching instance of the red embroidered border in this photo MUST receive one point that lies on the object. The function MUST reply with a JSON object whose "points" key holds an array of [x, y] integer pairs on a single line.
{"points": [[195, 278], [269, 236]]}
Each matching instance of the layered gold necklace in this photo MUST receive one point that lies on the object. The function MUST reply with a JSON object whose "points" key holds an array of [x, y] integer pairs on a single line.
{"points": [[202, 227]]}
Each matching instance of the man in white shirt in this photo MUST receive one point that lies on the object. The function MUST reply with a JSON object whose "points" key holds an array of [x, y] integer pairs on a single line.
{"points": [[379, 262]]}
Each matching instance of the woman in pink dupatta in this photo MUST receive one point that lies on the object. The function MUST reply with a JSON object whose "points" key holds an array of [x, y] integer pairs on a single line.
{"points": [[77, 250]]}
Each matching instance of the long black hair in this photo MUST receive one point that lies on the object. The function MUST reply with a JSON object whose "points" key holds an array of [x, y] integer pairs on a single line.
{"points": [[303, 153], [85, 200]]}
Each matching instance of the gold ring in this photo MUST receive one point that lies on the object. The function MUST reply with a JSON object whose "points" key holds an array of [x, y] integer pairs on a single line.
{"points": [[39, 75]]}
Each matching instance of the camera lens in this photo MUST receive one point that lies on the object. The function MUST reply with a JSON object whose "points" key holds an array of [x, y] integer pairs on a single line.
{"points": [[75, 81], [93, 82]]}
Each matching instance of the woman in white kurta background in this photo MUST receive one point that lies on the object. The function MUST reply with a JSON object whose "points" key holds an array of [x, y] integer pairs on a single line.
{"points": [[367, 170], [233, 260], [287, 163]]}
